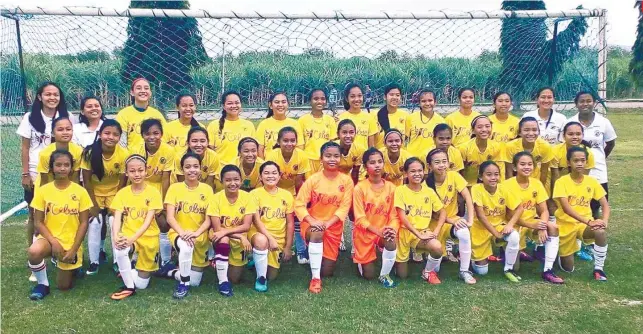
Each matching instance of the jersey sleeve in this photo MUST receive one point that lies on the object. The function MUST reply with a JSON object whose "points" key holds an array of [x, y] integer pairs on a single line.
{"points": [[333, 128], [347, 200], [170, 196], [290, 203], [304, 163], [215, 166], [213, 207], [436, 203], [213, 132], [300, 133], [38, 202], [591, 162], [358, 208], [513, 201], [547, 153], [456, 160], [84, 163], [117, 203], [252, 206], [541, 192], [560, 189], [303, 198], [372, 126], [261, 134], [177, 170], [476, 195], [598, 190], [169, 165], [85, 201], [459, 181], [24, 129], [503, 153], [123, 166], [398, 198], [393, 218], [407, 127], [43, 163], [610, 133]]}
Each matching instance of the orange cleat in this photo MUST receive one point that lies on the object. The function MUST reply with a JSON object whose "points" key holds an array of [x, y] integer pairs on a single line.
{"points": [[431, 277], [315, 286]]}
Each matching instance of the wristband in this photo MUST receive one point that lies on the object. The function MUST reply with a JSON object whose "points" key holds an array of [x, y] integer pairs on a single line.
{"points": [[25, 174]]}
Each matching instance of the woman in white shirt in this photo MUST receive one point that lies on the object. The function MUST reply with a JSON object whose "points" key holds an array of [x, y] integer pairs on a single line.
{"points": [[550, 122], [90, 120], [599, 133]]}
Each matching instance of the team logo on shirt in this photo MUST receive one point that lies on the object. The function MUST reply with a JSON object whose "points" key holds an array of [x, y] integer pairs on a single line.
{"points": [[451, 165], [354, 159], [489, 157], [401, 169], [163, 160], [147, 202], [408, 209], [295, 167], [450, 188], [74, 198], [426, 200], [589, 190], [538, 158], [502, 201], [283, 202], [202, 197], [205, 169], [341, 188], [388, 199], [534, 194], [117, 166], [597, 133], [401, 120], [511, 129], [242, 210]]}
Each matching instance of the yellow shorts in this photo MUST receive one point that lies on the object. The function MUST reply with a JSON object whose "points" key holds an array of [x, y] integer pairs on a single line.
{"points": [[482, 241], [238, 256], [569, 233], [147, 248], [443, 235], [527, 233], [405, 241], [273, 256], [201, 246], [78, 261], [104, 202]]}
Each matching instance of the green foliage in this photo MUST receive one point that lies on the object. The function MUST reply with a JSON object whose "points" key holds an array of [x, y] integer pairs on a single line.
{"points": [[636, 64]]}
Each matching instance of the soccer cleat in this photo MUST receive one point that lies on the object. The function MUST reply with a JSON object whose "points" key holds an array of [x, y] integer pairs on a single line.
{"points": [[539, 253], [93, 269], [181, 290], [302, 259], [417, 257], [251, 264], [387, 281], [550, 277], [512, 276], [123, 293], [39, 292], [584, 254], [261, 284], [315, 285], [600, 275], [32, 278], [225, 289], [525, 257], [164, 270], [467, 277], [54, 261], [431, 277], [102, 256]]}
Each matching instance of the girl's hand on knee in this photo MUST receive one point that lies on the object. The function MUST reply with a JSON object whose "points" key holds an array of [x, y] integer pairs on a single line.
{"points": [[460, 224], [542, 236], [69, 257], [57, 250]]}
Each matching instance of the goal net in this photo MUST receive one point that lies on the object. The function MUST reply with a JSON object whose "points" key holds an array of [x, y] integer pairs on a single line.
{"points": [[98, 51]]}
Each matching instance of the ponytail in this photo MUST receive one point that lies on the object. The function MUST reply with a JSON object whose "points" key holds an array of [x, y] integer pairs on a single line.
{"points": [[347, 91], [382, 114], [272, 98], [94, 152], [224, 114], [193, 121], [430, 178]]}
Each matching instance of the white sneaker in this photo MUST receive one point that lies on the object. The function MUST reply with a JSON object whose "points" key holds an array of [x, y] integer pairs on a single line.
{"points": [[302, 260], [417, 257], [467, 277], [32, 278]]}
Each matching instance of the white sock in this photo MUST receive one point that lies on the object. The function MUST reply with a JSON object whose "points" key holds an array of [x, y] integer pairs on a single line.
{"points": [[432, 263], [94, 238], [551, 251], [388, 260], [210, 253], [40, 271], [464, 239], [125, 266], [600, 253], [512, 249], [221, 263], [261, 262], [195, 277], [315, 253], [141, 283], [185, 260], [165, 248]]}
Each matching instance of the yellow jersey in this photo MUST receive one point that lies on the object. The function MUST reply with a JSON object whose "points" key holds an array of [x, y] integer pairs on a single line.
{"points": [[455, 159], [352, 159], [299, 164], [226, 142], [397, 120], [448, 192], [494, 205], [175, 134], [316, 132], [114, 169], [365, 124], [269, 128], [210, 165], [418, 206], [559, 158], [43, 160], [232, 214], [473, 158], [157, 163], [190, 205], [579, 196], [273, 209], [530, 197], [419, 131], [135, 207], [130, 120], [541, 152], [504, 131], [252, 180], [460, 126]]}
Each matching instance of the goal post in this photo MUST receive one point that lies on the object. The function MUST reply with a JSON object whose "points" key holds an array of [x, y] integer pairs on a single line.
{"points": [[96, 51]]}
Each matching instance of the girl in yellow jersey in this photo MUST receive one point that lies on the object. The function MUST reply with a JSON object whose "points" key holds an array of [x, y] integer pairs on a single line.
{"points": [[365, 124], [352, 152], [134, 229], [160, 163], [530, 141], [394, 158], [450, 187], [505, 125], [176, 131], [415, 204], [272, 233], [249, 163], [228, 131], [480, 149], [390, 116], [275, 121], [62, 135], [130, 118], [573, 194], [573, 136], [534, 219], [317, 128], [231, 212], [460, 120], [420, 125], [186, 204], [61, 212], [103, 169], [497, 211], [442, 137], [210, 165]]}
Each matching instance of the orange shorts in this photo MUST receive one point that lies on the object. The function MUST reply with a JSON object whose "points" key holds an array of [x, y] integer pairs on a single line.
{"points": [[365, 243], [332, 239]]}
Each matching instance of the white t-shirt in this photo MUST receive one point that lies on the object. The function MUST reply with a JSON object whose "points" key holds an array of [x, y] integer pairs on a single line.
{"points": [[550, 130], [38, 140], [597, 134], [83, 136]]}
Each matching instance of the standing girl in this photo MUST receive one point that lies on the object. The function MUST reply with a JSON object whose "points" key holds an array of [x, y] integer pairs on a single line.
{"points": [[550, 122], [228, 131], [505, 125], [390, 116], [186, 204], [450, 187], [176, 131], [528, 140], [442, 136], [497, 211], [420, 125], [365, 123], [415, 204], [317, 128], [90, 120], [275, 121], [480, 149], [249, 163], [272, 233], [460, 121], [63, 133], [131, 117], [352, 152], [573, 193], [231, 212], [376, 221], [322, 205], [103, 171], [198, 143], [134, 229], [61, 212]]}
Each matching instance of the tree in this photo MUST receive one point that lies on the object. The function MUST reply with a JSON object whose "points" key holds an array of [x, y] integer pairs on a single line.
{"points": [[526, 53], [636, 64], [162, 50]]}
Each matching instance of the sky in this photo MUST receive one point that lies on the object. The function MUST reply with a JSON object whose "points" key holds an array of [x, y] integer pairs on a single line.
{"points": [[622, 16]]}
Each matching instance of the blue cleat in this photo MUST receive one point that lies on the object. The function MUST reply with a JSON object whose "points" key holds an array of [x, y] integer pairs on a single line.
{"points": [[181, 291], [39, 292], [225, 289], [261, 284]]}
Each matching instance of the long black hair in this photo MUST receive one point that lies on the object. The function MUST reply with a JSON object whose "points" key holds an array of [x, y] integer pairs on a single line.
{"points": [[193, 121], [430, 179], [94, 152], [382, 114], [35, 118], [272, 98], [224, 114], [82, 118], [347, 91]]}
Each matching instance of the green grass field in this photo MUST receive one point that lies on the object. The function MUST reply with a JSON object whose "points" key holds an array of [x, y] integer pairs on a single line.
{"points": [[349, 304]]}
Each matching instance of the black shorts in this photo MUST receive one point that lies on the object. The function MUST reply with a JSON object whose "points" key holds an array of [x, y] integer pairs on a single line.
{"points": [[596, 205], [29, 195]]}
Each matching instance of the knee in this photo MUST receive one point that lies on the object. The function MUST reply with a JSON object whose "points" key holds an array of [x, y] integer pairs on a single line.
{"points": [[183, 246], [224, 240], [195, 278], [64, 286], [390, 246], [463, 235], [480, 268], [513, 239], [600, 234], [259, 241], [121, 252], [316, 236], [435, 247], [34, 252]]}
